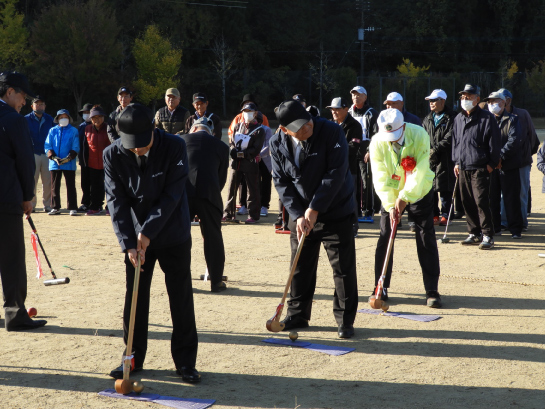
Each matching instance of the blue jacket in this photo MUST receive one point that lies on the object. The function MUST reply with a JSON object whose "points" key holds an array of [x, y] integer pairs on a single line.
{"points": [[39, 128], [476, 140], [324, 182], [63, 141], [153, 202], [17, 163]]}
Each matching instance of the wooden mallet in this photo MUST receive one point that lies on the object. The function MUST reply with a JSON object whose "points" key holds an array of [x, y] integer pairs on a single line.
{"points": [[125, 385], [274, 324], [377, 303]]}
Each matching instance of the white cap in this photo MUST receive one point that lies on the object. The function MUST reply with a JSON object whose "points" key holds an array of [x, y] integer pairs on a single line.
{"points": [[390, 125], [437, 93], [359, 89], [393, 96]]}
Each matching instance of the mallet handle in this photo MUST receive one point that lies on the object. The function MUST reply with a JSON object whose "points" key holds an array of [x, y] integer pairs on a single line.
{"points": [[378, 291], [293, 266], [128, 352], [33, 227]]}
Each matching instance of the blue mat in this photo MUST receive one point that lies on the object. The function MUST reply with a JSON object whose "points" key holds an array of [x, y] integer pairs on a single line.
{"points": [[414, 317], [325, 349], [170, 401]]}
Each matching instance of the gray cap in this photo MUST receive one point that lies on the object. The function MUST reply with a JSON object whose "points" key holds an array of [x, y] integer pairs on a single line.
{"points": [[203, 122], [495, 95], [338, 102]]}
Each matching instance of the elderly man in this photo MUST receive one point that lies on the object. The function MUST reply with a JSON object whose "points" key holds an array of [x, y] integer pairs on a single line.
{"points": [[200, 103], [353, 132], [311, 175], [124, 96], [505, 179], [403, 179], [395, 100], [146, 172], [529, 147], [16, 191], [173, 117], [476, 144], [367, 117], [39, 124], [208, 159], [438, 124]]}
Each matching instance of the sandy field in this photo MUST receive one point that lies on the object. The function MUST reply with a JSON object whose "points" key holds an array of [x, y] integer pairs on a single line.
{"points": [[486, 350]]}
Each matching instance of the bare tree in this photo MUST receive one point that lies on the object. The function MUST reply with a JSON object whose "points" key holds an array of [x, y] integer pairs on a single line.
{"points": [[224, 64], [321, 74]]}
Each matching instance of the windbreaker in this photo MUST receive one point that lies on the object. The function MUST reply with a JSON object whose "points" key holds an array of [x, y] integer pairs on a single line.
{"points": [[63, 140]]}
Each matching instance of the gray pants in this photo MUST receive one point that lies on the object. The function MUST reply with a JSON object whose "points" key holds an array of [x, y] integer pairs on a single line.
{"points": [[42, 169]]}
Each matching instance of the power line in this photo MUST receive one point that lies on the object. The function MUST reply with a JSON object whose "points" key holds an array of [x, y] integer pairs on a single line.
{"points": [[210, 5]]}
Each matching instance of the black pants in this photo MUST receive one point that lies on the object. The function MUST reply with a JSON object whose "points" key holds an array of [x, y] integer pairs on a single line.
{"points": [[72, 196], [265, 186], [210, 224], [474, 195], [369, 202], [421, 213], [446, 201], [96, 177], [506, 183], [85, 186], [338, 240], [175, 262], [13, 269], [253, 199]]}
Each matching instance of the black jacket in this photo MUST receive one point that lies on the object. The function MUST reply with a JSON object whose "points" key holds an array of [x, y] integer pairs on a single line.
{"points": [[530, 142], [215, 120], [353, 132], [367, 117], [17, 164], [113, 135], [248, 163], [175, 123], [441, 149], [208, 162], [83, 154], [476, 140], [323, 182], [153, 202], [511, 147]]}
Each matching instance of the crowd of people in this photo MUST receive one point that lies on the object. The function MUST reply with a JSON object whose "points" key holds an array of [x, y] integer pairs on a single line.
{"points": [[162, 171]]}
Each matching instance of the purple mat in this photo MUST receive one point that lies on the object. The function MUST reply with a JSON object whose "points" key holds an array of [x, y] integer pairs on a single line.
{"points": [[414, 317], [169, 401], [325, 349]]}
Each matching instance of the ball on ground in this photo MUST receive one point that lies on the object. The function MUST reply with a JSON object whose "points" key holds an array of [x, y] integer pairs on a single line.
{"points": [[294, 335], [32, 312], [137, 386]]}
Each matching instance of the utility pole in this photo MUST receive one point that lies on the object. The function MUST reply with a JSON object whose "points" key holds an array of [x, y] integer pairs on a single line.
{"points": [[364, 6]]}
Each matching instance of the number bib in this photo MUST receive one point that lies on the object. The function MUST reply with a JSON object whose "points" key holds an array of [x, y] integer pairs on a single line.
{"points": [[242, 141], [393, 182]]}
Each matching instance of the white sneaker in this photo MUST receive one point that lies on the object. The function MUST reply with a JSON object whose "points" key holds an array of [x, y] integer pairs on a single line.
{"points": [[264, 211], [73, 212], [54, 211], [242, 210]]}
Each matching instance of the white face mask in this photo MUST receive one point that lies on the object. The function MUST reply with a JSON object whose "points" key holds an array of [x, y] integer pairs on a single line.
{"points": [[467, 105], [63, 122], [248, 116], [494, 108], [85, 117]]}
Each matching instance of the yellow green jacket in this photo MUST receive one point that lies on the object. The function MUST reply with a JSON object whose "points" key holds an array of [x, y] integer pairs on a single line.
{"points": [[384, 163]]}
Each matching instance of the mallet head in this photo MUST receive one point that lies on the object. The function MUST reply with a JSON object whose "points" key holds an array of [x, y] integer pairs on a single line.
{"points": [[275, 326], [123, 386]]}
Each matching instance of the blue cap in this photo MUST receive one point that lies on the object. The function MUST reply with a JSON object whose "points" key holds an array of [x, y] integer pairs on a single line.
{"points": [[506, 93], [60, 112]]}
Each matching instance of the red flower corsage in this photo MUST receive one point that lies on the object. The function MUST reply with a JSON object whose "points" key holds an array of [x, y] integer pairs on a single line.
{"points": [[408, 163]]}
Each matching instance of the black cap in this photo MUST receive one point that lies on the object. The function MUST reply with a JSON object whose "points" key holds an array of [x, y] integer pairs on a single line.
{"points": [[135, 124], [248, 97], [251, 106], [471, 89], [124, 89], [292, 115], [37, 98], [86, 107], [16, 80], [199, 96], [299, 97]]}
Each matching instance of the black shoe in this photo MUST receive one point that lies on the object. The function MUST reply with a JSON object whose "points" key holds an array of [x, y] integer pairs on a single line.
{"points": [[459, 215], [383, 297], [294, 322], [218, 288], [433, 299], [26, 326], [346, 331], [189, 374], [117, 373], [83, 209], [472, 239]]}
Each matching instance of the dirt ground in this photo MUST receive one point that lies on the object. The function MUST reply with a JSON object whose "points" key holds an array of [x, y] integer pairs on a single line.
{"points": [[487, 350]]}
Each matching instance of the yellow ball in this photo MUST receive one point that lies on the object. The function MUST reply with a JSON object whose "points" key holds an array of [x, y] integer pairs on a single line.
{"points": [[294, 335], [137, 386]]}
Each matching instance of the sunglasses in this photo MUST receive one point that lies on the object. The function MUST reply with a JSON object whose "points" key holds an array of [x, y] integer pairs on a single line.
{"points": [[434, 100]]}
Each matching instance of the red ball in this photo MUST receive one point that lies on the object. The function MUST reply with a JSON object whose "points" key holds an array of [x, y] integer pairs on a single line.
{"points": [[32, 312]]}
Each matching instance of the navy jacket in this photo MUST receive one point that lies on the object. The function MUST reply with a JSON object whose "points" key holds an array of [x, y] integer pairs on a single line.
{"points": [[83, 154], [17, 164], [411, 118], [530, 142], [153, 202], [476, 140], [324, 182], [208, 162], [39, 133], [353, 132], [511, 141]]}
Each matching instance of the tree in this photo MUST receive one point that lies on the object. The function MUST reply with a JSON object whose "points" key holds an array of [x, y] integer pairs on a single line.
{"points": [[409, 70], [157, 63], [76, 46], [224, 65], [14, 52], [536, 78], [322, 74]]}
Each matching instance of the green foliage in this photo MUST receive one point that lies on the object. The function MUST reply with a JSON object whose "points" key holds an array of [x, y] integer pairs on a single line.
{"points": [[76, 46], [14, 52], [536, 78], [409, 70], [157, 63]]}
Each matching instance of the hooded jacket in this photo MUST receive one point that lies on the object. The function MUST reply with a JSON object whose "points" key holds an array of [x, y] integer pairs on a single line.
{"points": [[63, 141]]}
